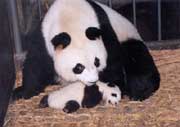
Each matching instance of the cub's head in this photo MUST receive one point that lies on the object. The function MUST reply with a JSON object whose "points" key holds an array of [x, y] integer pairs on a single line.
{"points": [[79, 58]]}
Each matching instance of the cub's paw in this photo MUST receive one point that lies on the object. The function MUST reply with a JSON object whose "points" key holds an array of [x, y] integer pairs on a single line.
{"points": [[112, 94]]}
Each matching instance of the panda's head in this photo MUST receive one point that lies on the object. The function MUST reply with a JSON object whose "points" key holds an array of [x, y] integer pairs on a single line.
{"points": [[79, 61]]}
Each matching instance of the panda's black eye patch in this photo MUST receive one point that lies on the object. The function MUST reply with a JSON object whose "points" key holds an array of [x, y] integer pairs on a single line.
{"points": [[114, 95], [93, 33], [97, 62], [61, 39], [78, 69]]}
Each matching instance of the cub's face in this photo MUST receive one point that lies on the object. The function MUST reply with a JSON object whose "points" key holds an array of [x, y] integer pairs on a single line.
{"points": [[79, 62]]}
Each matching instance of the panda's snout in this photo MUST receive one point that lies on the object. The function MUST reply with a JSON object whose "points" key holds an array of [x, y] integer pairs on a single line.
{"points": [[93, 79], [89, 77]]}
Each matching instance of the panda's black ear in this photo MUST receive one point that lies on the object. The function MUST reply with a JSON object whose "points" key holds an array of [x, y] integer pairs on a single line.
{"points": [[93, 33], [62, 39]]}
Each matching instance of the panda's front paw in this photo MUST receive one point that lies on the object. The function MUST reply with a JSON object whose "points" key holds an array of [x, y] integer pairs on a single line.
{"points": [[112, 95]]}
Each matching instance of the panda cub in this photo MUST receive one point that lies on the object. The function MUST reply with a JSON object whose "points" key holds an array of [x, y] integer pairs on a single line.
{"points": [[76, 95]]}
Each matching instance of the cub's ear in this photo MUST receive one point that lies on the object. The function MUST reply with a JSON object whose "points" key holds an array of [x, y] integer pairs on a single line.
{"points": [[62, 39], [93, 33]]}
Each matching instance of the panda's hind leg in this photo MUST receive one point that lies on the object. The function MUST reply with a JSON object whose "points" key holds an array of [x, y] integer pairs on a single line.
{"points": [[71, 106], [35, 79], [141, 72]]}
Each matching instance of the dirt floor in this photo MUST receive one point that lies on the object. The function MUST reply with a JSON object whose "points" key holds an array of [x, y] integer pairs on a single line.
{"points": [[160, 110]]}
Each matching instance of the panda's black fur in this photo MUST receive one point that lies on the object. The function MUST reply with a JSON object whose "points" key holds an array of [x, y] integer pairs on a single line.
{"points": [[92, 96], [129, 63], [38, 69]]}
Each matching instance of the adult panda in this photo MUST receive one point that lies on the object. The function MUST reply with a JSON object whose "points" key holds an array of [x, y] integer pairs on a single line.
{"points": [[76, 38]]}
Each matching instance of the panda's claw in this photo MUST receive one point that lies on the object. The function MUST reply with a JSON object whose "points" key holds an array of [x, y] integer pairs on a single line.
{"points": [[44, 102]]}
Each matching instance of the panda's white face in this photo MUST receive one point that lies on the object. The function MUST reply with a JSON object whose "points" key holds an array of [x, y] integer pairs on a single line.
{"points": [[79, 57], [80, 64], [77, 51]]}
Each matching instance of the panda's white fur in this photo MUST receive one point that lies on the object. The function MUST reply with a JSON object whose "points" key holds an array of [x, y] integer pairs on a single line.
{"points": [[74, 17], [75, 91], [123, 28], [59, 98], [107, 92], [68, 16], [67, 59]]}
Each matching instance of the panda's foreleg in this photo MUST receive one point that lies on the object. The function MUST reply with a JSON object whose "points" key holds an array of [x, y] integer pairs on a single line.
{"points": [[141, 72], [38, 72]]}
